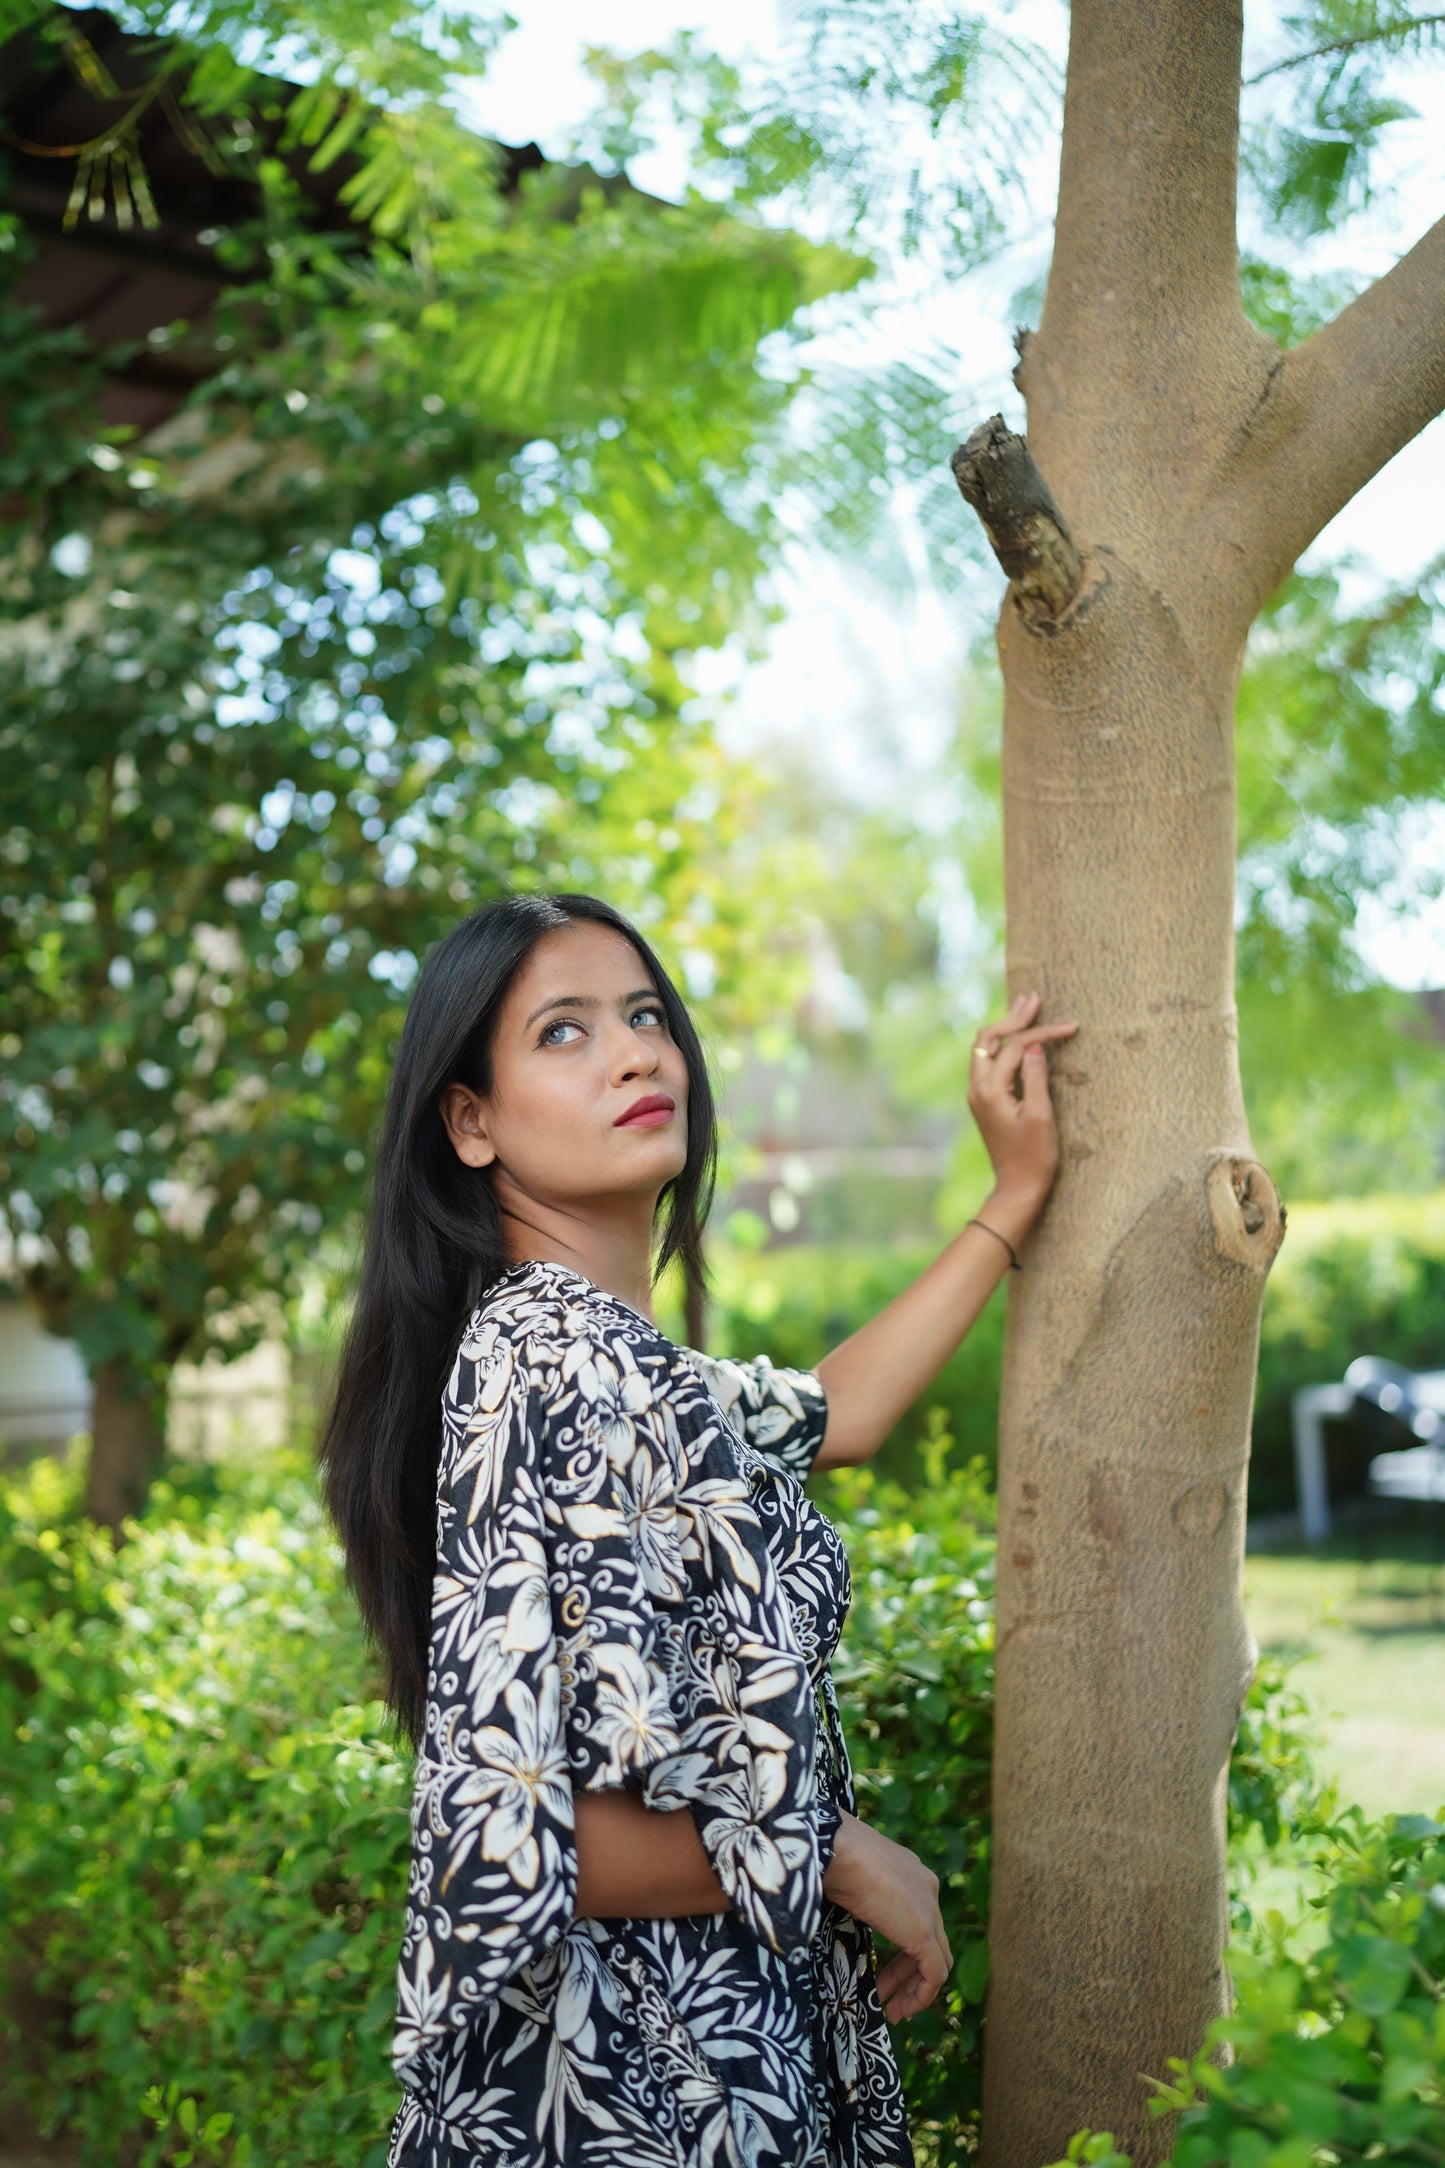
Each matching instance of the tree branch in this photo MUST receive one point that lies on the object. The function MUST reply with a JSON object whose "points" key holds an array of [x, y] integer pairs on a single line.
{"points": [[1386, 34], [997, 475], [1349, 398]]}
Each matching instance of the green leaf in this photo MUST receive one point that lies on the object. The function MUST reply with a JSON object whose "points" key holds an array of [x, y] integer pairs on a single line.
{"points": [[1374, 1972], [970, 1971]]}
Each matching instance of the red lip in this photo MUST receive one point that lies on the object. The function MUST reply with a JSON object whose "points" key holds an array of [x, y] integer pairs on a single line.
{"points": [[650, 1112]]}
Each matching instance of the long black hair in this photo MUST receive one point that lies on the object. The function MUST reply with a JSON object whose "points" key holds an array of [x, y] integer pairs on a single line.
{"points": [[433, 1247]]}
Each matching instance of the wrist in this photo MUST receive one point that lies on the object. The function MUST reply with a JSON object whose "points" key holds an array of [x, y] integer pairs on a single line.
{"points": [[849, 1849], [1012, 1206], [830, 1823]]}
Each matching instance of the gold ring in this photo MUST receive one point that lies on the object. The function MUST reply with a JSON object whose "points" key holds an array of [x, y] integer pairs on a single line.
{"points": [[984, 1053]]}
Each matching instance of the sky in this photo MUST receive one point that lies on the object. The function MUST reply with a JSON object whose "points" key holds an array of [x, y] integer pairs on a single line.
{"points": [[866, 682]]}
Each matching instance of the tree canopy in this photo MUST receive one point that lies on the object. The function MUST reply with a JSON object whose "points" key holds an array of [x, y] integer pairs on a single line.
{"points": [[393, 613], [925, 137], [401, 606]]}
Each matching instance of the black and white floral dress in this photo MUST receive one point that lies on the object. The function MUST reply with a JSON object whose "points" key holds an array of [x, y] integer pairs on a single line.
{"points": [[632, 1589]]}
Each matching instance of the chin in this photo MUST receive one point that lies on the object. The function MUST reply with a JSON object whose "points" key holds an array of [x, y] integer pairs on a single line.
{"points": [[665, 1161]]}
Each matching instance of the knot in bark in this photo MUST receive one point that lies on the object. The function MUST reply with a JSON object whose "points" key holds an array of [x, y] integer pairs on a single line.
{"points": [[1246, 1211]]}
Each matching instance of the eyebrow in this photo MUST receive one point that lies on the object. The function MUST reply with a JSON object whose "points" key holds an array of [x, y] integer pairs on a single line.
{"points": [[590, 1001]]}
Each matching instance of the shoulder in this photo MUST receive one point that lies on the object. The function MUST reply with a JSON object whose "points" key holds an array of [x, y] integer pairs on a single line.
{"points": [[544, 1330], [554, 1383], [780, 1414], [758, 1395]]}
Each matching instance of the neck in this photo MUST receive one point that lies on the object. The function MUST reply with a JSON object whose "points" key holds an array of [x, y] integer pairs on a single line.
{"points": [[611, 1245]]}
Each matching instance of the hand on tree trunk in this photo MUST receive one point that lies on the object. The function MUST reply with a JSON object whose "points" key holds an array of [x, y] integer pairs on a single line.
{"points": [[1008, 1096]]}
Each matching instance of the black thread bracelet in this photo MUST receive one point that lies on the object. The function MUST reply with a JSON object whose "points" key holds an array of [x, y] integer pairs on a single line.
{"points": [[1012, 1255]]}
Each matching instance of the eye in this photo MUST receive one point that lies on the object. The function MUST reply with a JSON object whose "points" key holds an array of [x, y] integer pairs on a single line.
{"points": [[561, 1024], [650, 1012]]}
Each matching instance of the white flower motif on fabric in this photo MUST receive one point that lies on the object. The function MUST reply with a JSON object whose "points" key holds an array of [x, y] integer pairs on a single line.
{"points": [[529, 1613], [520, 1773], [649, 1494], [612, 1396], [635, 1726]]}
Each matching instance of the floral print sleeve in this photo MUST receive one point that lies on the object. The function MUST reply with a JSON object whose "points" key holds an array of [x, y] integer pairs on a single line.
{"points": [[781, 1414], [606, 1611]]}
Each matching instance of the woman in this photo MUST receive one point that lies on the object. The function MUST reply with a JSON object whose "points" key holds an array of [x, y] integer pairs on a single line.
{"points": [[603, 1597]]}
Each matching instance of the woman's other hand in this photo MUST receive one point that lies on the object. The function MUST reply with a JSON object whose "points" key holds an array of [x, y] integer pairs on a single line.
{"points": [[1008, 1096], [889, 1889]]}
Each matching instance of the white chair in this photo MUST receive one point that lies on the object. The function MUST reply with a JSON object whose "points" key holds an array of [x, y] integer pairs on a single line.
{"points": [[1314, 1405]]}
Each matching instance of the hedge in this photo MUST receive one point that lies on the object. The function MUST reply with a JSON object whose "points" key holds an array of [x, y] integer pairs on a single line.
{"points": [[203, 1829], [1357, 1277], [203, 1825], [1335, 2053]]}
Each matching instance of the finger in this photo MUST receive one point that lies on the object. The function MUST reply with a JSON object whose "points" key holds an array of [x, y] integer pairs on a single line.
{"points": [[905, 2003], [917, 1995], [1005, 1065], [1018, 1013], [1036, 1084], [1042, 1034], [1024, 1033], [919, 1972]]}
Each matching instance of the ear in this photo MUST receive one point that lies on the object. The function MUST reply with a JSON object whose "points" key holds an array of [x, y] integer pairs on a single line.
{"points": [[465, 1121]]}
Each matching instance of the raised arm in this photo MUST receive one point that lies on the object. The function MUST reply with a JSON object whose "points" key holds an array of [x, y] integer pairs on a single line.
{"points": [[875, 1376]]}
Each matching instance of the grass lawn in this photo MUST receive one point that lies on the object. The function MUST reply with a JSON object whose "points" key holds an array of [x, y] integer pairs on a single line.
{"points": [[1373, 1632]]}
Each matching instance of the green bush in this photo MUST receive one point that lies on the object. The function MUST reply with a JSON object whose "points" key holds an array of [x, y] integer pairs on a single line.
{"points": [[915, 1684], [1335, 2053], [203, 1827], [1364, 1276], [203, 1830]]}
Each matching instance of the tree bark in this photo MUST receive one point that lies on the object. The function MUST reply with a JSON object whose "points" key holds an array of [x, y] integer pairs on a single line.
{"points": [[1128, 1377], [1129, 1361], [127, 1426], [1344, 403], [1176, 464], [997, 476], [694, 1310]]}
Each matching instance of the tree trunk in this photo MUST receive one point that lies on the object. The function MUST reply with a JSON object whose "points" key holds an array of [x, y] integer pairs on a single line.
{"points": [[694, 1310], [1129, 1365], [1128, 1378], [127, 1427], [1183, 462]]}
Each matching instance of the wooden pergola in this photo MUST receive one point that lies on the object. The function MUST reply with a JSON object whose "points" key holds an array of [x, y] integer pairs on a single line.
{"points": [[122, 282]]}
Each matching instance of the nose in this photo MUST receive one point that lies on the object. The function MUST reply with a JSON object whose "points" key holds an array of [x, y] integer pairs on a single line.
{"points": [[633, 1057]]}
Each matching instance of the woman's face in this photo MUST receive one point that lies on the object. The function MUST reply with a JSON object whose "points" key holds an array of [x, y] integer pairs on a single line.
{"points": [[589, 1090]]}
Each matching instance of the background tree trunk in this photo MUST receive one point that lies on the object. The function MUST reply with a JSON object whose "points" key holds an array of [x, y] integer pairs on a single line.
{"points": [[127, 1443], [1183, 462], [694, 1306]]}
